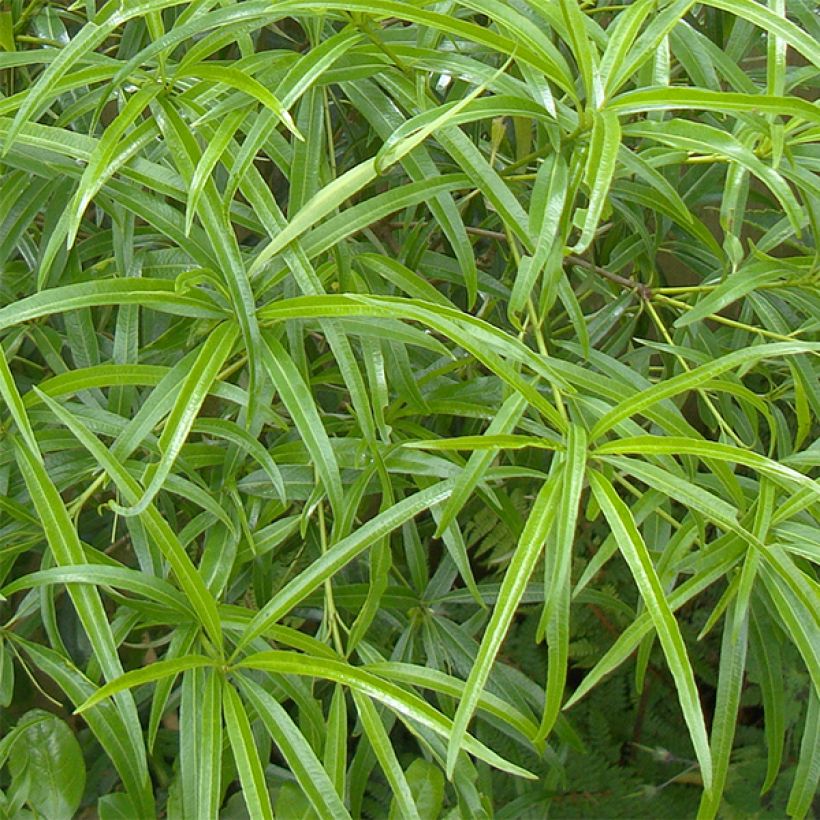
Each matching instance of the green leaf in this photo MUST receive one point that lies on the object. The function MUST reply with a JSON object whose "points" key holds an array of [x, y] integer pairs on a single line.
{"points": [[339, 555], [66, 549], [417, 129], [708, 140], [209, 768], [192, 393], [767, 657], [6, 675], [152, 293], [731, 289], [105, 722], [480, 460], [318, 207], [189, 579], [149, 674], [761, 16], [6, 31], [241, 81], [12, 399], [335, 753], [228, 430], [556, 613], [426, 784], [489, 441], [452, 687], [246, 755], [123, 578], [693, 379], [383, 749], [516, 578], [666, 98], [49, 757], [87, 39], [636, 555], [408, 707], [602, 157], [299, 402], [730, 683], [549, 196], [300, 757], [101, 164], [629, 53], [706, 450], [804, 788], [342, 504], [115, 806], [674, 486], [208, 161], [479, 338]]}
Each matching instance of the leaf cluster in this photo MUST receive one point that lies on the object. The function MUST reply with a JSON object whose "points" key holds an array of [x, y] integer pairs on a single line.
{"points": [[409, 409]]}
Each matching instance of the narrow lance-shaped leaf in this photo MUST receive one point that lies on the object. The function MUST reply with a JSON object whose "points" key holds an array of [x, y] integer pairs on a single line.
{"points": [[636, 555], [156, 294], [334, 760], [190, 740], [192, 393], [208, 161], [584, 51], [148, 674], [247, 85], [707, 140], [105, 723], [557, 587], [549, 196], [11, 396], [408, 706], [300, 757], [730, 682], [301, 405], [521, 567], [480, 460], [602, 157], [123, 578], [66, 549], [246, 755], [98, 169], [693, 379], [804, 787], [680, 445], [339, 555], [88, 38], [416, 130], [210, 751], [189, 579], [386, 755], [224, 247], [756, 13], [767, 657], [669, 98]]}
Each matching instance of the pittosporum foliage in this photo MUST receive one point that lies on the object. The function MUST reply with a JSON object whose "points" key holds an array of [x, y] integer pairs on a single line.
{"points": [[409, 408]]}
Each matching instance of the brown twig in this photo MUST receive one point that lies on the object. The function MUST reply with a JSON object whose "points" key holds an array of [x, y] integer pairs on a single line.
{"points": [[644, 291]]}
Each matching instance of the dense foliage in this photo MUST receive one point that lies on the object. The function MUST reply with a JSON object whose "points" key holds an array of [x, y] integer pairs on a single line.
{"points": [[409, 408]]}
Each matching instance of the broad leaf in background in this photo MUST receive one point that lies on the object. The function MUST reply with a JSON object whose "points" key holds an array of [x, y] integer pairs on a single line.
{"points": [[46, 766]]}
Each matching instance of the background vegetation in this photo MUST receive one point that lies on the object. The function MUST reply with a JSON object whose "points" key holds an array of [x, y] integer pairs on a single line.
{"points": [[409, 408]]}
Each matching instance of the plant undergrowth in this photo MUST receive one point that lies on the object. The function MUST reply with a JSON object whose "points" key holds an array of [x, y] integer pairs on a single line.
{"points": [[409, 409]]}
